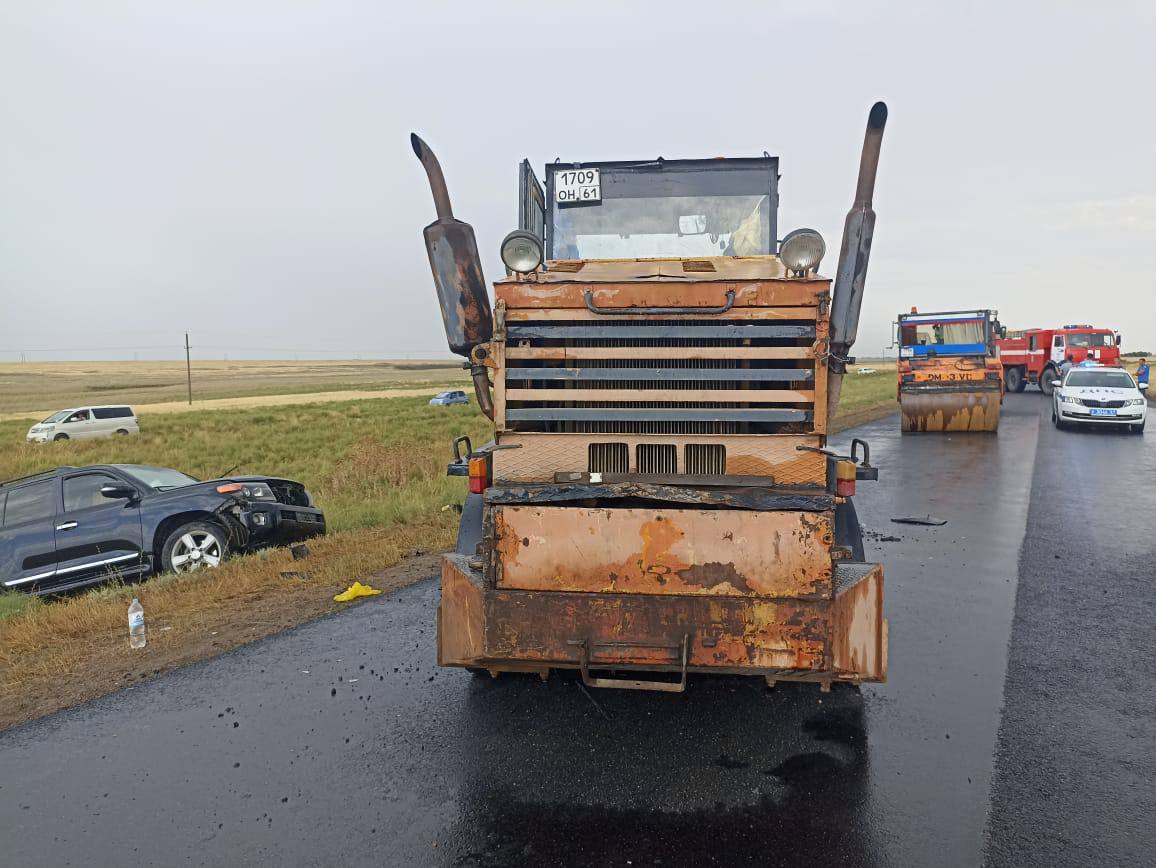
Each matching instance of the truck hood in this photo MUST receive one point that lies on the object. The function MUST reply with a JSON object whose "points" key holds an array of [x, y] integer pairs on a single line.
{"points": [[632, 270]]}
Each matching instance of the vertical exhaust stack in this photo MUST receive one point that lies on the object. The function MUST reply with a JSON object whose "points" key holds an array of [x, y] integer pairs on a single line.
{"points": [[858, 231], [457, 274]]}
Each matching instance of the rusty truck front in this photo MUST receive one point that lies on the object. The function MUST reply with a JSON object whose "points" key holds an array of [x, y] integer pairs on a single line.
{"points": [[658, 498]]}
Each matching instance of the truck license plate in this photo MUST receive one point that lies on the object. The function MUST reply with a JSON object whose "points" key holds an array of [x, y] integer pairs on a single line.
{"points": [[578, 186], [1100, 411]]}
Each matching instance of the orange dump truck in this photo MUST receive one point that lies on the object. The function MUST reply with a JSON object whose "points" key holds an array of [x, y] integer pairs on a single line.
{"points": [[658, 498]]}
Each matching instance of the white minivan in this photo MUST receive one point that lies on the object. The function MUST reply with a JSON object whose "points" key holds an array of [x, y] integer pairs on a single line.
{"points": [[82, 422]]}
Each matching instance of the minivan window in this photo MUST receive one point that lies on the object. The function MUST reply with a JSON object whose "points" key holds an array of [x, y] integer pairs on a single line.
{"points": [[79, 416], [57, 417], [112, 412], [81, 492], [30, 502]]}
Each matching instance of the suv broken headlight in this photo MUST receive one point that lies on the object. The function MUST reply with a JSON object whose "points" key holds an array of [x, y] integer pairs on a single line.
{"points": [[248, 490]]}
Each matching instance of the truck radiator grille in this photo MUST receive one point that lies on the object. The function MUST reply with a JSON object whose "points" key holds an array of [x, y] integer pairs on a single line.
{"points": [[706, 458], [609, 458], [709, 376], [657, 458]]}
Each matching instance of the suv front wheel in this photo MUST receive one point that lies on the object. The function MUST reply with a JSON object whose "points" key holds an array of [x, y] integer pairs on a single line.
{"points": [[194, 545]]}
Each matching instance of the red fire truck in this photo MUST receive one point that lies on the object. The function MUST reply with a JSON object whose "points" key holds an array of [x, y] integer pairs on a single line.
{"points": [[1034, 355]]}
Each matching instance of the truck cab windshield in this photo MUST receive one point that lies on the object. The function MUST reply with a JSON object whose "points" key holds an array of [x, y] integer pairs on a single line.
{"points": [[938, 334], [677, 209], [1090, 340], [944, 334]]}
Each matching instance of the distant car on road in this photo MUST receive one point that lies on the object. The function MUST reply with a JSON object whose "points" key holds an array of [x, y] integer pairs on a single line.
{"points": [[80, 423], [1099, 396], [866, 371], [75, 526], [445, 399]]}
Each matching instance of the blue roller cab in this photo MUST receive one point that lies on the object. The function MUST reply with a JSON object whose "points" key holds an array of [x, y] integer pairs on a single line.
{"points": [[953, 333]]}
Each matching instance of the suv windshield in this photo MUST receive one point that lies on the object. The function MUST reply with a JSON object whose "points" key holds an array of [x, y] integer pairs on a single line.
{"points": [[159, 478], [57, 417], [1086, 340], [1100, 379], [666, 209]]}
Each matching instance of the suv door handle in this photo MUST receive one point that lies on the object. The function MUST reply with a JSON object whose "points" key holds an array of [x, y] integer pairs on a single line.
{"points": [[68, 525]]}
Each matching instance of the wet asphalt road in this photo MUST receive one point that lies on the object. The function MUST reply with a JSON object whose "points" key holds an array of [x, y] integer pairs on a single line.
{"points": [[1016, 728]]}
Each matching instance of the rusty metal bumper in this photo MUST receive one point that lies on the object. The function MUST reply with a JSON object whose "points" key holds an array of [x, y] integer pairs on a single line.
{"points": [[843, 638]]}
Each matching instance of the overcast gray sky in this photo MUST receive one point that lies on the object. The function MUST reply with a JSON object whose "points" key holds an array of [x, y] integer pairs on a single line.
{"points": [[242, 170]]}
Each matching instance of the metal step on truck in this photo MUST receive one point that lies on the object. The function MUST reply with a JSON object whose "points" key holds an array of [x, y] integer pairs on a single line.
{"points": [[660, 369]]}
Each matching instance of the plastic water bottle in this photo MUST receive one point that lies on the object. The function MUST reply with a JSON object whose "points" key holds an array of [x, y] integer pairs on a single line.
{"points": [[136, 627]]}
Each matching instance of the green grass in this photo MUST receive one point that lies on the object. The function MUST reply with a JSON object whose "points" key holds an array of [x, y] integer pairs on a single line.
{"points": [[12, 603], [862, 391], [367, 463]]}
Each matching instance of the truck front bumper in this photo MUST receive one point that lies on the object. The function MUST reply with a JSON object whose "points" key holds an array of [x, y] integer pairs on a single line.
{"points": [[843, 638]]}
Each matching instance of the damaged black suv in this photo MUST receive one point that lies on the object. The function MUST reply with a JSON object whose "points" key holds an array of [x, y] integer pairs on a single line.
{"points": [[75, 526]]}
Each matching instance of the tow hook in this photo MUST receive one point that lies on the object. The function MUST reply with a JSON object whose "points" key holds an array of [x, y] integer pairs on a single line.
{"points": [[863, 469]]}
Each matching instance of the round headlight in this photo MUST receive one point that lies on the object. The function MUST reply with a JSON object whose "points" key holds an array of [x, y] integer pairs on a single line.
{"points": [[521, 251], [802, 250]]}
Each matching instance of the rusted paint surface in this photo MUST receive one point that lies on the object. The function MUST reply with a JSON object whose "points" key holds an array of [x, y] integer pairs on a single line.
{"points": [[760, 498], [795, 640], [532, 457], [954, 409], [461, 288], [664, 395], [859, 630], [721, 268], [728, 633], [548, 314], [661, 293], [573, 354], [644, 551], [461, 616]]}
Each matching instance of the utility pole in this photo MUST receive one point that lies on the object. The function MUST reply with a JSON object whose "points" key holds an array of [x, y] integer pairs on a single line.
{"points": [[189, 368]]}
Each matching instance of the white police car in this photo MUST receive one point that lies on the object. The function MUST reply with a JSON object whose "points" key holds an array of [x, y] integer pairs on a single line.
{"points": [[1096, 395]]}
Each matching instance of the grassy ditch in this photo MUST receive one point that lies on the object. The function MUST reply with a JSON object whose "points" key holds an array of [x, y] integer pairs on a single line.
{"points": [[376, 467]]}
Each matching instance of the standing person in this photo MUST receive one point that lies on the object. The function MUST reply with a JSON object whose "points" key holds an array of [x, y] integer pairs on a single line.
{"points": [[1142, 375], [1089, 360], [1066, 365]]}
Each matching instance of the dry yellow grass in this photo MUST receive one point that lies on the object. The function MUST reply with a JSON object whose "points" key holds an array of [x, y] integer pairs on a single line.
{"points": [[42, 388]]}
